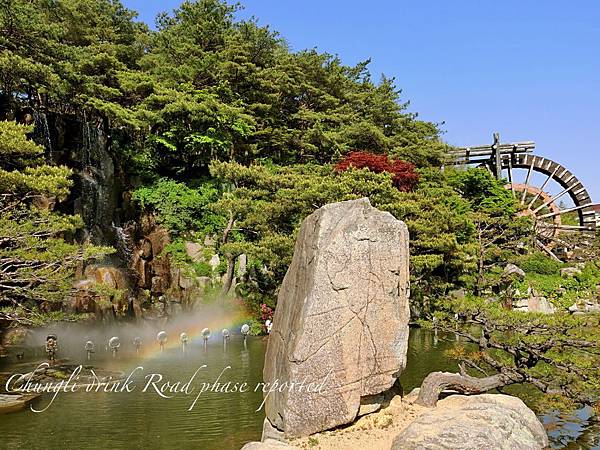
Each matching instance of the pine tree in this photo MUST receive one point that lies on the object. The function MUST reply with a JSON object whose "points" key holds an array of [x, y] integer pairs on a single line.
{"points": [[37, 257]]}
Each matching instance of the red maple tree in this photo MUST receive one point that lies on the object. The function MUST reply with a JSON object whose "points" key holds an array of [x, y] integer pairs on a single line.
{"points": [[403, 173]]}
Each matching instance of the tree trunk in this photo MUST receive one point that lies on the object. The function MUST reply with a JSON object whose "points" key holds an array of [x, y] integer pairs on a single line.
{"points": [[230, 258], [436, 382], [228, 228], [227, 283]]}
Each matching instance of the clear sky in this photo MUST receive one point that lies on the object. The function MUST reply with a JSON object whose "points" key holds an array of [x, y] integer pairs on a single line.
{"points": [[528, 69]]}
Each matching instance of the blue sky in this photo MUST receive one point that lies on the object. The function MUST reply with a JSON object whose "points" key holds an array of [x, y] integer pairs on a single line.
{"points": [[528, 69]]}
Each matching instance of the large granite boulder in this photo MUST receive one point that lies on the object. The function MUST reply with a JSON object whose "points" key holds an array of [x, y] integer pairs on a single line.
{"points": [[341, 323], [472, 423]]}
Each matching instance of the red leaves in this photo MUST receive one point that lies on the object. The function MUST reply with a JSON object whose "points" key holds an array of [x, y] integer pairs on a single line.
{"points": [[404, 176], [266, 313]]}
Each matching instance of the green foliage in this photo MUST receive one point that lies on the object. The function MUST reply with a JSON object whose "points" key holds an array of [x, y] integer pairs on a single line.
{"points": [[210, 95], [37, 258], [441, 232], [233, 90], [256, 327], [498, 233], [204, 86], [484, 192], [557, 353], [207, 87], [106, 294], [539, 263], [17, 176], [180, 259], [67, 52], [313, 442], [566, 291], [270, 202], [37, 318], [12, 145], [178, 207]]}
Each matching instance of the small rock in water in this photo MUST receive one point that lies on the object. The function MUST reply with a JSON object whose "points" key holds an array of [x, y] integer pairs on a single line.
{"points": [[269, 444], [15, 402]]}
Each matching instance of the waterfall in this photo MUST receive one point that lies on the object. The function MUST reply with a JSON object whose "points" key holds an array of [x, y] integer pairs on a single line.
{"points": [[89, 182], [98, 195], [41, 132], [89, 138], [123, 243]]}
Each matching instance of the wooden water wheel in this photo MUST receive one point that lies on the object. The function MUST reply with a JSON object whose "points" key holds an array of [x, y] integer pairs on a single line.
{"points": [[552, 219], [544, 208]]}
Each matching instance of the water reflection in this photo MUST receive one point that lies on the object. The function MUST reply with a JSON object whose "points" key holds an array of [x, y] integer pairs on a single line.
{"points": [[217, 421], [98, 420], [426, 354]]}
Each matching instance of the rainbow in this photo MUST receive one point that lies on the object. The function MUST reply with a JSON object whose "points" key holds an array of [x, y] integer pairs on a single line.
{"points": [[193, 327]]}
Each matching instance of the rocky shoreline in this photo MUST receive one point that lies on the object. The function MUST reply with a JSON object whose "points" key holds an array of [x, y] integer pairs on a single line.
{"points": [[457, 422], [10, 403]]}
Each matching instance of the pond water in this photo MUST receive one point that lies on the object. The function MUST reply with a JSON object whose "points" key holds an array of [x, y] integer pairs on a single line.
{"points": [[145, 420]]}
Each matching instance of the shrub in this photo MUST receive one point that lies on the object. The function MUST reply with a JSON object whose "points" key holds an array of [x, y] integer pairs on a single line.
{"points": [[203, 269], [256, 327], [179, 207], [539, 263]]}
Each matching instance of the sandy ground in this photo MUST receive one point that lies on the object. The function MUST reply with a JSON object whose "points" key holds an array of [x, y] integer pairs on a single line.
{"points": [[372, 432]]}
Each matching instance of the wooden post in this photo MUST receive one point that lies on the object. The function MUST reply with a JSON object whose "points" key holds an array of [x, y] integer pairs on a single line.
{"points": [[497, 160]]}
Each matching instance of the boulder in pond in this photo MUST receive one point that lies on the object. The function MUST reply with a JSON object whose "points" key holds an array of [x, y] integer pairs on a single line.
{"points": [[15, 402], [342, 316], [462, 422]]}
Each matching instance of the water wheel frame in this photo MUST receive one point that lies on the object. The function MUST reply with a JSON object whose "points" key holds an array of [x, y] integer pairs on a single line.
{"points": [[543, 207]]}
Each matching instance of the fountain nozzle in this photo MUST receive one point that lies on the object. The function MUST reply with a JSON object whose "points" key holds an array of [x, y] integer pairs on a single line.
{"points": [[183, 337], [89, 349], [226, 334], [161, 337], [205, 336], [245, 331], [114, 343], [51, 347], [137, 342]]}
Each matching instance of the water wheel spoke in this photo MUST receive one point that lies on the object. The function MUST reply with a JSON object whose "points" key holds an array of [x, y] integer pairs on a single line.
{"points": [[543, 186], [547, 250], [539, 203], [525, 192], [564, 211], [574, 227], [553, 199], [511, 178]]}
